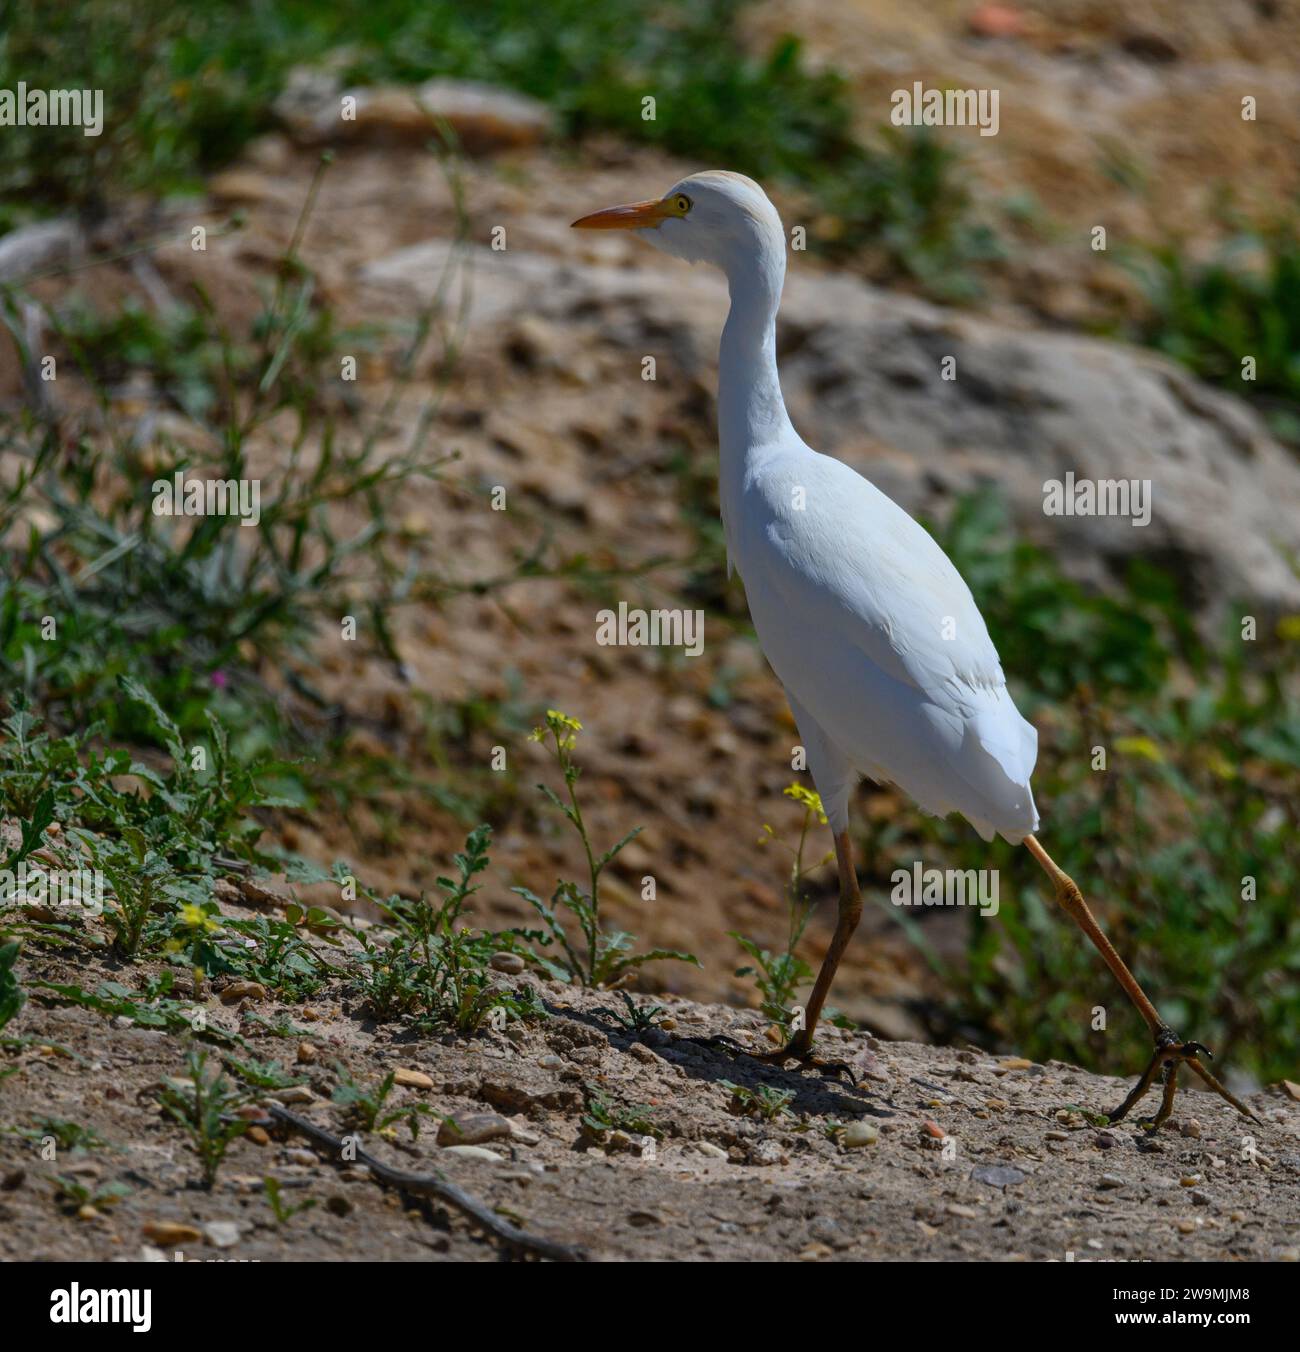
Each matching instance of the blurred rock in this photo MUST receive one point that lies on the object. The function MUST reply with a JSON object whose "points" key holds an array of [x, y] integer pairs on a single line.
{"points": [[37, 248], [483, 118], [995, 21], [861, 369], [1027, 407]]}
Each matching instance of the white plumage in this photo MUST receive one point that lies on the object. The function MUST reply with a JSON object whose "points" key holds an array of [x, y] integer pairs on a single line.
{"points": [[852, 601], [883, 654]]}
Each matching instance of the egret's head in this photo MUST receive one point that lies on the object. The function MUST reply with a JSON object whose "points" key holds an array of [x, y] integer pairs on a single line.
{"points": [[714, 217]]}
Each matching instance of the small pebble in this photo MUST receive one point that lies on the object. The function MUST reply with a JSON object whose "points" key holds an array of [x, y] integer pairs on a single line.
{"points": [[296, 1093], [473, 1129], [859, 1134], [243, 990], [169, 1234], [222, 1234], [472, 1152]]}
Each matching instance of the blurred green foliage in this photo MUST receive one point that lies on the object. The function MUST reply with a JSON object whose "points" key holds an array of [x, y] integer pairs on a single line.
{"points": [[186, 86], [1244, 302]]}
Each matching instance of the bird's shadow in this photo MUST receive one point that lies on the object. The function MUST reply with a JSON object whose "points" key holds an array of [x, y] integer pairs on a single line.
{"points": [[813, 1093]]}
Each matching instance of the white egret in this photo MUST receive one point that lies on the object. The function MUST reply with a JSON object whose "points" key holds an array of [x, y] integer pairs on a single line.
{"points": [[884, 656]]}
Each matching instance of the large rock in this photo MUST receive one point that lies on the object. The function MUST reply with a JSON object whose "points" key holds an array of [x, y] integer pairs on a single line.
{"points": [[482, 117], [862, 371], [1028, 407]]}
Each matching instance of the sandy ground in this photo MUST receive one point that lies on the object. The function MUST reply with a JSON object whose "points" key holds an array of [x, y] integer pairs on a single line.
{"points": [[935, 1154]]}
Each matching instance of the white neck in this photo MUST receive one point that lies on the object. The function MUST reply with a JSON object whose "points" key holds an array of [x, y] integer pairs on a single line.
{"points": [[751, 410]]}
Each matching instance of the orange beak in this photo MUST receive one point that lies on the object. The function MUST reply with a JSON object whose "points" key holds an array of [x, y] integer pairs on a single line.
{"points": [[636, 216]]}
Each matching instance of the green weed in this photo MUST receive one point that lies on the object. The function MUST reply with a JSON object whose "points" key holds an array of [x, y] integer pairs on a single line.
{"points": [[205, 1106], [1244, 303], [601, 958], [433, 966], [603, 1115], [366, 1108], [280, 1208], [779, 975], [765, 1102]]}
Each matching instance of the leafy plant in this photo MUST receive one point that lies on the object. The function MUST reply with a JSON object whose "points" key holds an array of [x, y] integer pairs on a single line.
{"points": [[75, 1194], [637, 1019], [280, 1208], [280, 957], [67, 1135], [205, 1106], [1242, 303], [153, 843], [435, 967], [155, 1010], [779, 975], [766, 1102], [11, 992], [366, 1107], [603, 1115], [601, 958], [262, 1074], [180, 600]]}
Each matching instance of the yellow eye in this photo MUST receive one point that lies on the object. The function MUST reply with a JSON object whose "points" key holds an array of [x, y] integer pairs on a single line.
{"points": [[682, 203]]}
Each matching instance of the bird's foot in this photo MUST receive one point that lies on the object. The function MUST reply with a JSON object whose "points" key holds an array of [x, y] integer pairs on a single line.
{"points": [[800, 1049], [797, 1049], [1170, 1055]]}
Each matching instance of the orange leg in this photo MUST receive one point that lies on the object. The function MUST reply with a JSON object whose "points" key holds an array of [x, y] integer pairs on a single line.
{"points": [[800, 1046], [1171, 1051]]}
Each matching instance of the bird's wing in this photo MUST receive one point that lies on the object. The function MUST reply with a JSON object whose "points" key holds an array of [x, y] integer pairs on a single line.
{"points": [[854, 560], [873, 631]]}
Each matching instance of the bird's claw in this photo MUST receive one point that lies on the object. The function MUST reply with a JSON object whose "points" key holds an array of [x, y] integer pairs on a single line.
{"points": [[792, 1051], [1170, 1055]]}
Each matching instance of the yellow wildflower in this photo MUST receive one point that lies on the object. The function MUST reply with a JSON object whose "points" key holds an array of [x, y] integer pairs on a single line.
{"points": [[808, 798]]}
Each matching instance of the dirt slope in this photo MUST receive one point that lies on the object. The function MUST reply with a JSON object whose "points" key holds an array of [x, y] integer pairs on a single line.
{"points": [[972, 1158]]}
